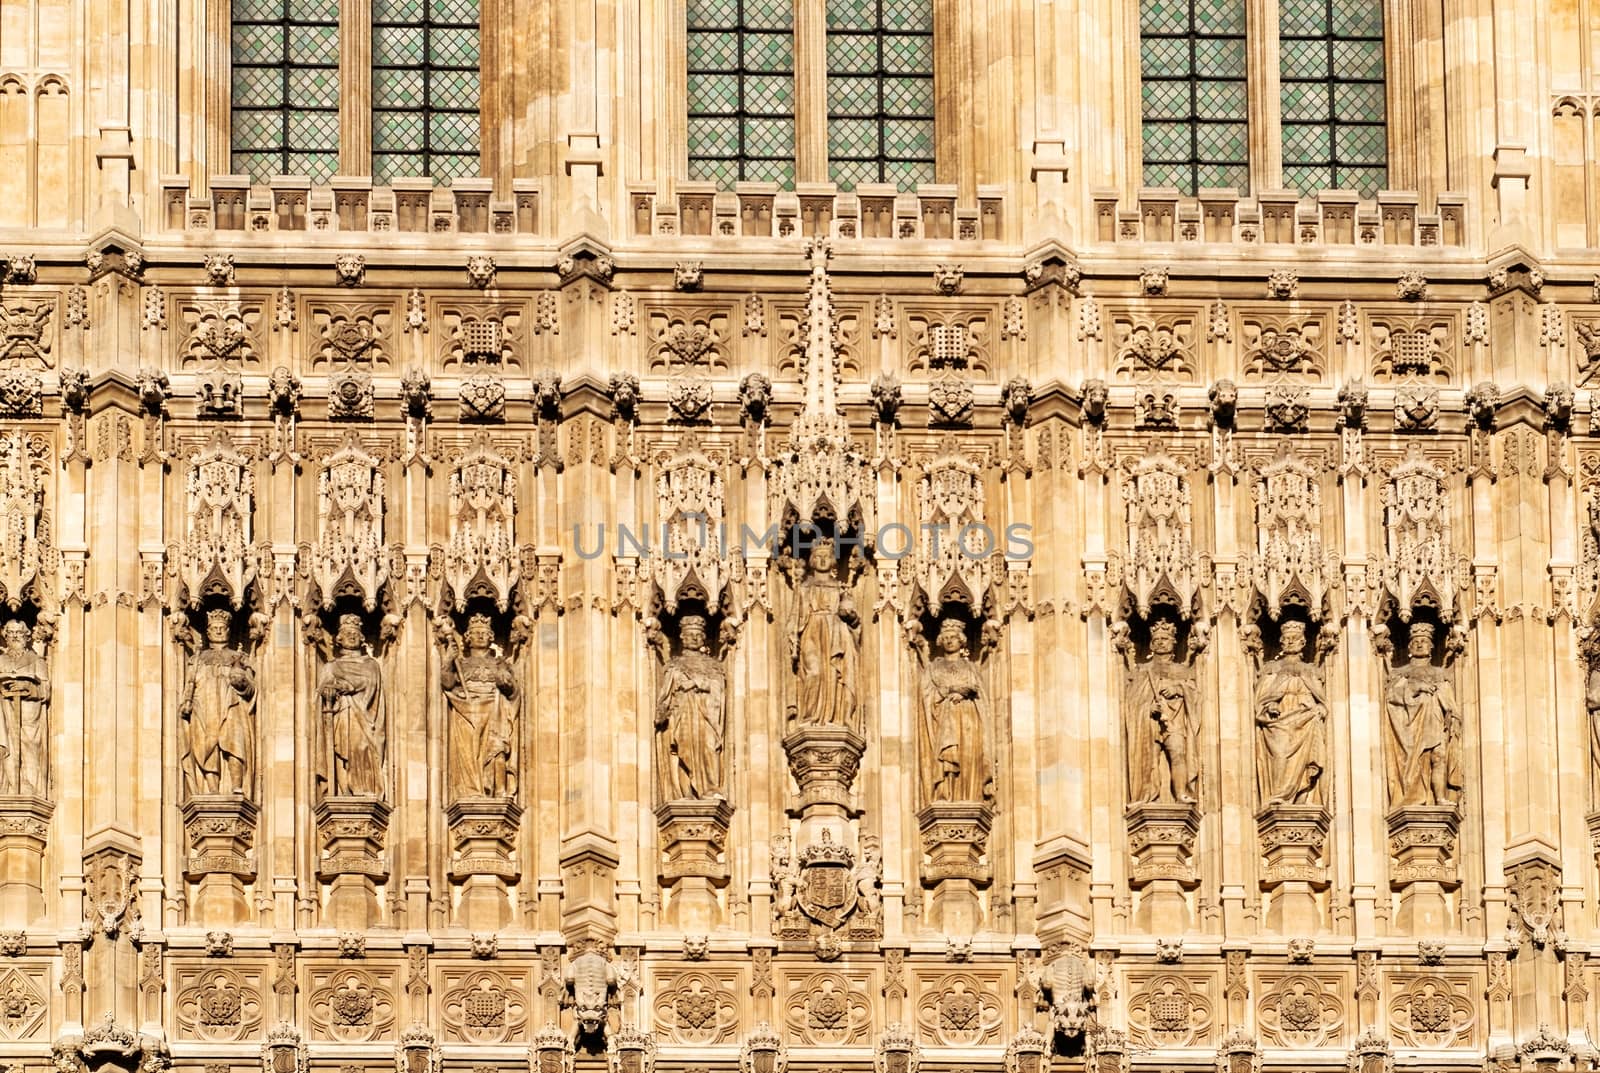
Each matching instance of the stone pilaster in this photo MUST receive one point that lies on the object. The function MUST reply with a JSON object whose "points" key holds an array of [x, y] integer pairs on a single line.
{"points": [[1161, 836], [1292, 839], [353, 832], [219, 830], [483, 832]]}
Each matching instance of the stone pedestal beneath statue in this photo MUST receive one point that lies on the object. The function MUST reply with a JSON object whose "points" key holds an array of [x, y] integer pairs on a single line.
{"points": [[353, 860], [24, 833], [1161, 837], [483, 834], [220, 830], [1422, 847], [693, 836], [825, 761], [955, 839], [1292, 838]]}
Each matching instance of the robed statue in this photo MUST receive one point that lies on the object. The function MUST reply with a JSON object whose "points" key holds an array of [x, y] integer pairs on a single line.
{"points": [[691, 718], [218, 712], [24, 704], [353, 728], [484, 702], [1423, 754], [825, 645], [952, 719], [1291, 717], [1162, 716]]}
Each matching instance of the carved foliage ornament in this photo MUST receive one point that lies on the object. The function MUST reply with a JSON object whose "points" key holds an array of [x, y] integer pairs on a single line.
{"points": [[699, 1008], [349, 558], [689, 491], [481, 557], [1166, 1012], [219, 1005], [957, 565], [1161, 563], [217, 556], [829, 1009], [1291, 565], [1301, 1011], [1420, 568], [962, 1011], [26, 554], [485, 1007]]}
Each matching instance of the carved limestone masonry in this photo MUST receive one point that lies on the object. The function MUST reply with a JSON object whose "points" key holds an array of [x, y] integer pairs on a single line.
{"points": [[351, 766], [217, 558], [349, 561], [350, 345], [481, 559], [26, 801], [217, 717], [1533, 902]]}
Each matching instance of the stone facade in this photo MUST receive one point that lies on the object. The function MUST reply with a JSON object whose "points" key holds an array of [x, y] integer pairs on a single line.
{"points": [[1207, 675]]}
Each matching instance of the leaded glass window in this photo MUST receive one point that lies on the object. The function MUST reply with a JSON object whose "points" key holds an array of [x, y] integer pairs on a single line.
{"points": [[424, 89], [880, 92], [1331, 84], [741, 90], [285, 114], [1192, 59]]}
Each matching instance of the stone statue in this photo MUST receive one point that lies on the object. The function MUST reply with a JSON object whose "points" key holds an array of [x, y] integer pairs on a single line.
{"points": [[482, 696], [1424, 723], [218, 711], [1163, 721], [952, 720], [868, 876], [24, 702], [825, 645], [354, 733], [1291, 724], [691, 714]]}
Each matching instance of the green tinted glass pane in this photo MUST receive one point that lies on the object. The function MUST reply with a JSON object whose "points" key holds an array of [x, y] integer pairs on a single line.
{"points": [[1359, 101], [848, 174], [257, 87], [447, 166], [1157, 174], [1164, 16], [1366, 181], [1303, 59], [1222, 141], [387, 167], [396, 88], [1304, 100], [314, 11], [907, 96], [257, 11], [852, 14], [453, 48], [314, 87], [1361, 145], [257, 44], [713, 93], [769, 95], [397, 131], [908, 55], [452, 132], [314, 45], [1303, 18], [713, 137], [398, 46], [771, 171], [397, 11], [1219, 58], [1222, 176], [852, 53], [712, 14], [769, 14], [1220, 100], [908, 138], [1358, 18], [713, 50], [1358, 59], [1165, 100], [252, 128], [907, 174], [454, 12], [315, 166], [769, 137], [455, 89], [1167, 141], [259, 166], [769, 52], [852, 96], [721, 172], [1302, 143], [1307, 179], [1161, 57], [852, 137], [314, 130], [1219, 16], [908, 15]]}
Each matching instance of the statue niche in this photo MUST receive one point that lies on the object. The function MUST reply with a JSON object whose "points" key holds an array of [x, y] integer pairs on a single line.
{"points": [[352, 729], [1423, 758], [1291, 715], [824, 635], [953, 715], [1162, 707], [24, 709], [690, 719], [483, 703]]}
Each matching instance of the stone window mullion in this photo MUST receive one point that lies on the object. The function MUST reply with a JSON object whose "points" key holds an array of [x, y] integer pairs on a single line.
{"points": [[355, 87]]}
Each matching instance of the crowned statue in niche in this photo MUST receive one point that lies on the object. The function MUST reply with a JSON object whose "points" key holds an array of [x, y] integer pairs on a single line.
{"points": [[953, 716], [24, 707], [353, 725], [218, 712], [1423, 757], [691, 714], [825, 644], [1162, 715], [1291, 718], [484, 704]]}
